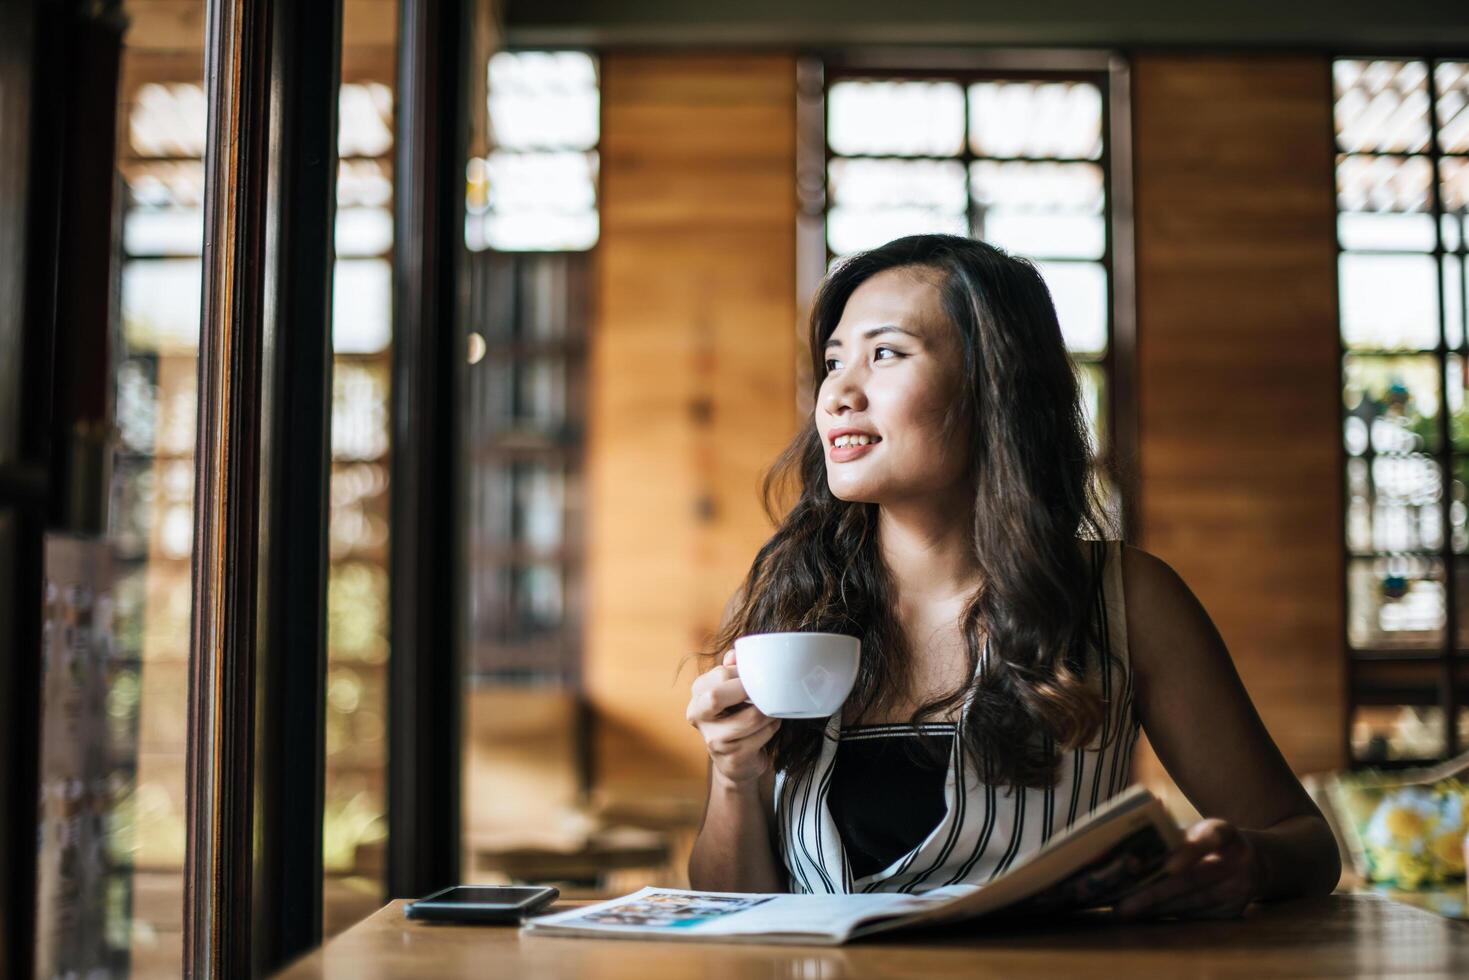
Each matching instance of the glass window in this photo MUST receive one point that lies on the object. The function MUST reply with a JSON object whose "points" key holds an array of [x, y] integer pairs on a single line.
{"points": [[1400, 138], [354, 831], [532, 217], [537, 188], [150, 519]]}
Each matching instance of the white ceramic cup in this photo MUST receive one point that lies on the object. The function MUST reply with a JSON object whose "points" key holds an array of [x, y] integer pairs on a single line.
{"points": [[798, 675]]}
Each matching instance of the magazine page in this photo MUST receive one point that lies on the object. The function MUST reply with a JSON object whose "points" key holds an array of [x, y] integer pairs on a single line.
{"points": [[672, 913], [1118, 848]]}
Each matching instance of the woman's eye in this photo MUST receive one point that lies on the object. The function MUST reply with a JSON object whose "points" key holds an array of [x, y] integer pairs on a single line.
{"points": [[889, 350], [829, 362]]}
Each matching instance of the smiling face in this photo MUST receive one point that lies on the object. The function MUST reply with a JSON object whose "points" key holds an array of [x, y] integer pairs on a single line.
{"points": [[892, 374]]}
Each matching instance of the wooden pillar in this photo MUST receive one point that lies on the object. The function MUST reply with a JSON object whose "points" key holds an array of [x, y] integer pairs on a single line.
{"points": [[1239, 390], [692, 359], [424, 733]]}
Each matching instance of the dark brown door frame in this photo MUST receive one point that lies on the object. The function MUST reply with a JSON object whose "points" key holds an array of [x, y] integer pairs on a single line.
{"points": [[291, 697], [60, 63], [424, 690], [252, 888], [26, 302]]}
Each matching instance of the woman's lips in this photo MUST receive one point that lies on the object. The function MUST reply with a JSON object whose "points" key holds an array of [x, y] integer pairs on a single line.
{"points": [[842, 454]]}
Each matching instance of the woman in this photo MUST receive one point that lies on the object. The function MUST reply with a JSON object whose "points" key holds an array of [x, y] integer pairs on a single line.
{"points": [[948, 516]]}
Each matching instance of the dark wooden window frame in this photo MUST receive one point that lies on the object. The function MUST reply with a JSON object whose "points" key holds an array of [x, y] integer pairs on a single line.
{"points": [[257, 650]]}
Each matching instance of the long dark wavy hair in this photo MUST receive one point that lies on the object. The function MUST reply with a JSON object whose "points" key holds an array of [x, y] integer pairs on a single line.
{"points": [[1034, 475]]}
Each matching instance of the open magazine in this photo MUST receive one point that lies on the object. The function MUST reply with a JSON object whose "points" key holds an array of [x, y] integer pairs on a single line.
{"points": [[1117, 848]]}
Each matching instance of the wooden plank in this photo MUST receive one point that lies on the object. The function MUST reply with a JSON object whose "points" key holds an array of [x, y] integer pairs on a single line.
{"points": [[692, 365], [1239, 377]]}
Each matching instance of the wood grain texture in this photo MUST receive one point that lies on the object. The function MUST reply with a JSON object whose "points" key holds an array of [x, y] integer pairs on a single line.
{"points": [[1239, 376], [1335, 936], [691, 383]]}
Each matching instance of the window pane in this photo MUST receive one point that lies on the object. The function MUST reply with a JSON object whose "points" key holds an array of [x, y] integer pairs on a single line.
{"points": [[354, 817], [362, 305], [1391, 404], [1395, 504], [364, 183], [164, 204], [1453, 174], [1452, 228], [895, 118], [543, 100], [1395, 602], [533, 201], [364, 231], [359, 523], [161, 304], [1041, 210], [359, 409], [875, 201], [168, 120], [1389, 302], [150, 528], [1385, 202], [1093, 380], [1036, 119], [1079, 291], [523, 421], [1456, 379], [1451, 78], [1382, 106], [1382, 733], [1459, 516], [1453, 285], [365, 128]]}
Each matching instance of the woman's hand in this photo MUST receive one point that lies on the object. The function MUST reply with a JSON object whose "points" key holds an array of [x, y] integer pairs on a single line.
{"points": [[734, 730], [1213, 875]]}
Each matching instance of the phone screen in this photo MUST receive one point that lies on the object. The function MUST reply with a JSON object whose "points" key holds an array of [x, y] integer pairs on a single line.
{"points": [[485, 895]]}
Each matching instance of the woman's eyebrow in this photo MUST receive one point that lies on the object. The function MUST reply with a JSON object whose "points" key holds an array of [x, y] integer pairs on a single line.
{"points": [[869, 334]]}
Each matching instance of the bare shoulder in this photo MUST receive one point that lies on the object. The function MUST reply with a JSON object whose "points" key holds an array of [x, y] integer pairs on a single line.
{"points": [[1148, 580], [1167, 626]]}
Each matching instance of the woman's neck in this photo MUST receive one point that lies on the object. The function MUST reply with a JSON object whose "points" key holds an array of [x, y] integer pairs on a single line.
{"points": [[928, 550]]}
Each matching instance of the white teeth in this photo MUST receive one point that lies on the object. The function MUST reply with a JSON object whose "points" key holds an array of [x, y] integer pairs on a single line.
{"points": [[853, 440]]}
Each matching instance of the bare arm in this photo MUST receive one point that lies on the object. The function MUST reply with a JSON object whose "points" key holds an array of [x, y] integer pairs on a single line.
{"points": [[733, 850], [1264, 838]]}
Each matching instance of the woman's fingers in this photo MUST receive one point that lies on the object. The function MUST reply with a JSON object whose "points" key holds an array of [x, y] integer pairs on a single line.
{"points": [[744, 739], [1221, 900], [734, 725], [1211, 873], [714, 693]]}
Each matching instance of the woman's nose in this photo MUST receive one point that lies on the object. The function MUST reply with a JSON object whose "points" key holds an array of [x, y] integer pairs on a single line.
{"points": [[844, 392]]}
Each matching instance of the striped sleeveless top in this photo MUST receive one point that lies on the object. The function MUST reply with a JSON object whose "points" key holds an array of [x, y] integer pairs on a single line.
{"points": [[985, 829]]}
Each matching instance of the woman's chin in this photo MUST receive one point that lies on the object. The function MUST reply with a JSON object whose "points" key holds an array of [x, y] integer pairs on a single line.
{"points": [[852, 494]]}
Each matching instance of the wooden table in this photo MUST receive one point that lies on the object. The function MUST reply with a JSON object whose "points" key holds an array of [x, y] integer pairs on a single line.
{"points": [[1339, 935]]}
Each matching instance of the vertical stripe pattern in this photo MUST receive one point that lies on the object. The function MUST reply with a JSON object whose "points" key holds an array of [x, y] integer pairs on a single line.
{"points": [[985, 829]]}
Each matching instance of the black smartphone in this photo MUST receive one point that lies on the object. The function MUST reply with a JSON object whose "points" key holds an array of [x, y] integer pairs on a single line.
{"points": [[481, 903]]}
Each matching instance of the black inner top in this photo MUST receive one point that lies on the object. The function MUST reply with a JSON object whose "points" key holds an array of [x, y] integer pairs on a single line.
{"points": [[884, 797]]}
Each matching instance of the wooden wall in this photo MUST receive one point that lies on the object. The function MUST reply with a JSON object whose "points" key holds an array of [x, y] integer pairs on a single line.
{"points": [[692, 383], [1238, 373]]}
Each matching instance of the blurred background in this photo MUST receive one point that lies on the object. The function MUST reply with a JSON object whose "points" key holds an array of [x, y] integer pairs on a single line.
{"points": [[1253, 230]]}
